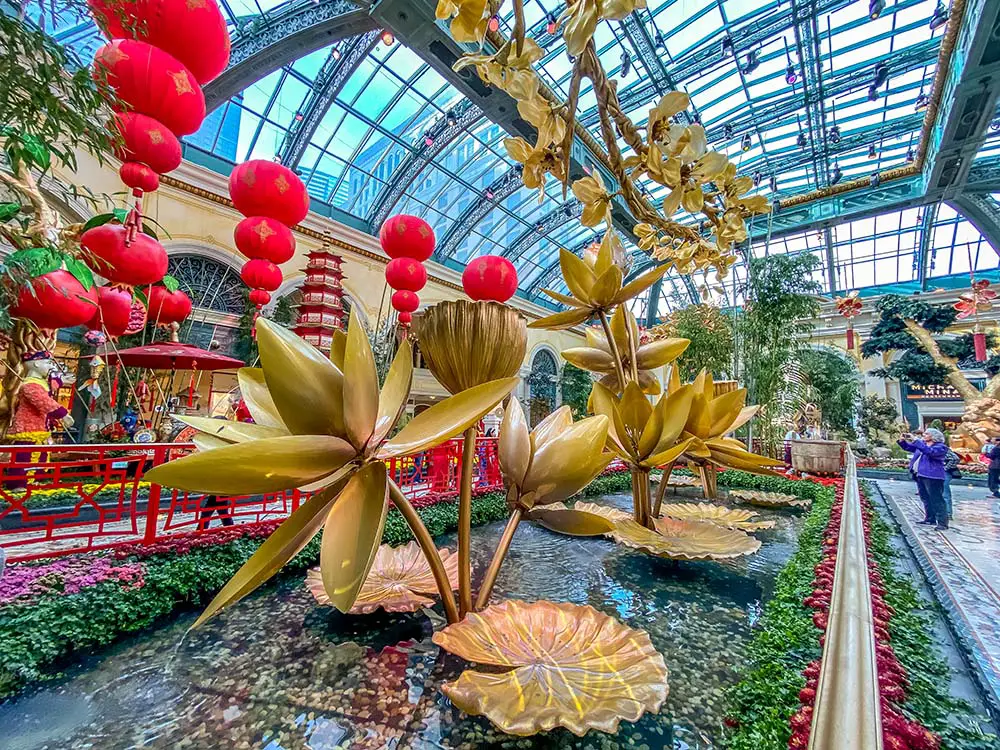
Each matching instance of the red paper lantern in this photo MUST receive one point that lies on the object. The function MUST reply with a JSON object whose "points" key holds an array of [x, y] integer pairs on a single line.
{"points": [[266, 188], [407, 274], [406, 318], [114, 311], [56, 300], [265, 238], [147, 141], [259, 297], [490, 277], [139, 177], [141, 263], [261, 274], [166, 307], [152, 82], [193, 31], [405, 302], [404, 236]]}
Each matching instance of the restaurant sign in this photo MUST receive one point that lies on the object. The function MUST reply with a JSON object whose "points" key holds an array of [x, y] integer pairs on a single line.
{"points": [[935, 392]]}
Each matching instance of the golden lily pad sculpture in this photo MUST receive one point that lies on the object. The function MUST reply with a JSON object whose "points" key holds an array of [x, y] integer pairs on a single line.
{"points": [[686, 540], [323, 423], [730, 518], [551, 665], [770, 499], [400, 581]]}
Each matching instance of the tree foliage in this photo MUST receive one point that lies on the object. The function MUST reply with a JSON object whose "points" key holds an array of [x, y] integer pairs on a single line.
{"points": [[576, 385], [877, 418], [710, 332], [779, 304], [245, 346], [834, 385]]}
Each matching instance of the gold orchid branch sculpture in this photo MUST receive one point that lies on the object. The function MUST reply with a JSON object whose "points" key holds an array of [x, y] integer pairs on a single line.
{"points": [[667, 151]]}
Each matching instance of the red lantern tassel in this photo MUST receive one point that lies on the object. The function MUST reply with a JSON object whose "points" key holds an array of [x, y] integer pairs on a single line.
{"points": [[114, 387], [850, 337], [979, 340], [191, 391]]}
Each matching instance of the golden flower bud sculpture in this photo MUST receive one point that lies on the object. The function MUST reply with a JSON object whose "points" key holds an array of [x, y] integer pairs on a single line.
{"points": [[400, 580], [323, 423], [553, 665], [465, 344], [546, 466]]}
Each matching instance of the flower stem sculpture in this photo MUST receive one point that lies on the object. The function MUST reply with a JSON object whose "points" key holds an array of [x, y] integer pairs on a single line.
{"points": [[323, 424]]}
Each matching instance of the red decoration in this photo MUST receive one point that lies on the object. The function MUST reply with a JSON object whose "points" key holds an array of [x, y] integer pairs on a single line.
{"points": [[321, 310], [152, 82], [136, 317], [147, 140], [259, 297], [405, 318], [266, 188], [404, 236], [979, 342], [261, 274], [407, 274], [265, 238], [405, 302], [114, 310], [490, 277], [850, 336], [139, 177], [193, 31], [142, 262], [56, 300], [166, 307]]}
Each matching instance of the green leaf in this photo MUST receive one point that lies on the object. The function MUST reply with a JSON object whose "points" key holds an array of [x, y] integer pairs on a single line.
{"points": [[99, 220], [120, 214], [36, 261], [146, 229], [171, 283], [36, 152], [80, 272], [141, 296], [9, 210]]}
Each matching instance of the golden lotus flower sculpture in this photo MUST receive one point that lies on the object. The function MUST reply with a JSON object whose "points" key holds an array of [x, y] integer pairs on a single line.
{"points": [[594, 289], [612, 357], [323, 423], [686, 540], [769, 499], [583, 519], [730, 518], [682, 480], [400, 580], [466, 344], [563, 665]]}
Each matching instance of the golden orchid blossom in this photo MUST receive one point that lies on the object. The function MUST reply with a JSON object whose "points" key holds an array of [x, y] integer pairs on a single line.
{"points": [[320, 423], [580, 19], [506, 69], [537, 110], [688, 190], [711, 418], [598, 356], [594, 289], [551, 665], [733, 191], [555, 460], [660, 127], [469, 18], [596, 200], [537, 163]]}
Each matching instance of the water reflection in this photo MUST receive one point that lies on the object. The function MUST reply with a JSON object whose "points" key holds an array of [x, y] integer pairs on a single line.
{"points": [[276, 672]]}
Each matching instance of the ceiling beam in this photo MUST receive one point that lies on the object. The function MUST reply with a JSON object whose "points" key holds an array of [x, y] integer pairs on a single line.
{"points": [[984, 214], [501, 189], [928, 217]]}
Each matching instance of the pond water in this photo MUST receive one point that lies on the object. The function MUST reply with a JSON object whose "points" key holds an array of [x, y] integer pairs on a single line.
{"points": [[279, 672]]}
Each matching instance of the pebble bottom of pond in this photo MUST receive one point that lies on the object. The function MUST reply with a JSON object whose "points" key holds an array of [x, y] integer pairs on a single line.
{"points": [[279, 672]]}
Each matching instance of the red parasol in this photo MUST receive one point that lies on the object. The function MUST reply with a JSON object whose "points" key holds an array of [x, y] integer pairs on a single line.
{"points": [[165, 355]]}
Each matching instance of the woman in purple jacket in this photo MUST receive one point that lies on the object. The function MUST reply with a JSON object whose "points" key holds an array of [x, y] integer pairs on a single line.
{"points": [[927, 467]]}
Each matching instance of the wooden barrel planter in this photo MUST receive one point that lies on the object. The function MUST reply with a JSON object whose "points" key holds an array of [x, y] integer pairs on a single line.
{"points": [[724, 386], [818, 456]]}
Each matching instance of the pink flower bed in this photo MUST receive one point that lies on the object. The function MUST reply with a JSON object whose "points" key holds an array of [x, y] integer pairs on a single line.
{"points": [[22, 584]]}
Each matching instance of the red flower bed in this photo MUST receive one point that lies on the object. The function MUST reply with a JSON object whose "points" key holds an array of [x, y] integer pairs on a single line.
{"points": [[898, 732]]}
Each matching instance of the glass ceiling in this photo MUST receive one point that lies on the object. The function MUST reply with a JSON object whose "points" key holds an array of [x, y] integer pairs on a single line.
{"points": [[382, 126]]}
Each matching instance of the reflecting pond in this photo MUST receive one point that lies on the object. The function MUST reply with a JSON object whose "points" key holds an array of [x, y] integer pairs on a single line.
{"points": [[278, 672]]}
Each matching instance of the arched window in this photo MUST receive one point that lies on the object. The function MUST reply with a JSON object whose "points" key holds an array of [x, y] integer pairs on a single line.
{"points": [[211, 284], [542, 386]]}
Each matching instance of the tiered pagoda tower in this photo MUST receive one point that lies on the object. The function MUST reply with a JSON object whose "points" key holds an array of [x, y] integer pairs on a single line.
{"points": [[321, 311]]}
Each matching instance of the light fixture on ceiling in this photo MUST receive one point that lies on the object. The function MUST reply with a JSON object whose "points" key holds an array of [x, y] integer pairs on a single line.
{"points": [[626, 63], [940, 16], [837, 174], [335, 53], [552, 25], [567, 211], [801, 141], [872, 94], [751, 62], [922, 101], [881, 74], [428, 140], [452, 120], [872, 154], [833, 134], [388, 38], [298, 117], [494, 24], [774, 184], [727, 47], [489, 194], [660, 41], [791, 75], [875, 8], [909, 155], [745, 143], [876, 179], [995, 125], [696, 118], [757, 177], [727, 131]]}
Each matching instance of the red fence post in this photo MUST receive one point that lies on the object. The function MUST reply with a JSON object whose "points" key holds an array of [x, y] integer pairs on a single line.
{"points": [[153, 503]]}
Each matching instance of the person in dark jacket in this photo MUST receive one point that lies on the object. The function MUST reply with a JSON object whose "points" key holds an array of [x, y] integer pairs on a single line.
{"points": [[993, 474], [927, 466]]}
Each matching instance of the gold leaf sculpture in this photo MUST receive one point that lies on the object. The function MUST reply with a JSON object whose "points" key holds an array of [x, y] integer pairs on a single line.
{"points": [[720, 515], [335, 426], [400, 580], [562, 665], [686, 540], [769, 499]]}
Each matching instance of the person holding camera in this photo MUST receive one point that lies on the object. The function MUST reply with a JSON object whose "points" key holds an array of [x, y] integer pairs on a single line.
{"points": [[927, 468]]}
